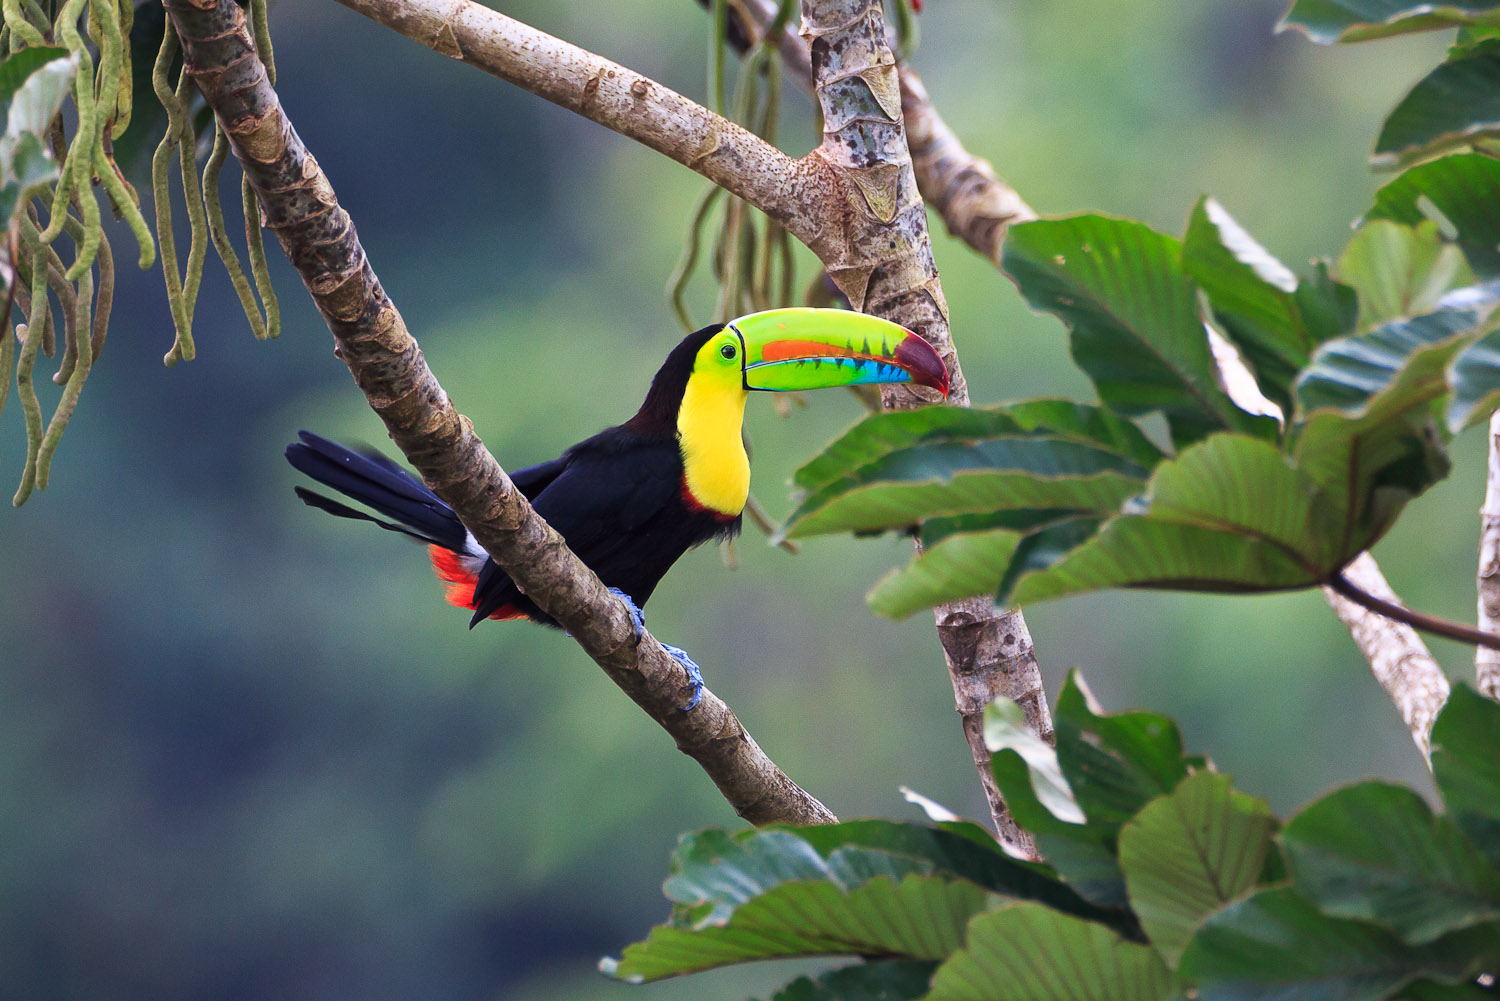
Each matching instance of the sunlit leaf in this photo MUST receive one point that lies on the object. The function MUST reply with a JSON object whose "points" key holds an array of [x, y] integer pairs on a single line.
{"points": [[1466, 764], [919, 917], [1133, 313], [1476, 383], [1254, 298], [1328, 21], [1028, 953], [1376, 852], [887, 980], [1399, 271], [1457, 103], [1461, 193], [1229, 514], [1277, 945], [1190, 852]]}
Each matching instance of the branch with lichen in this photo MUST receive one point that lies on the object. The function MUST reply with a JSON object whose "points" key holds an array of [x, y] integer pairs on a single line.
{"points": [[387, 364]]}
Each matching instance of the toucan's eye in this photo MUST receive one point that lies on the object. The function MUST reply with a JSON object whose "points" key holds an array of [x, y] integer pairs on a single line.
{"points": [[727, 351]]}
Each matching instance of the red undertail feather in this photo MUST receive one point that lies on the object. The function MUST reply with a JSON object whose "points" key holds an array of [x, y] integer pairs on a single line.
{"points": [[459, 581]]}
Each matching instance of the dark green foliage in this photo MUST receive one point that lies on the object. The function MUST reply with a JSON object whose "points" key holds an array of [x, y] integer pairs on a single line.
{"points": [[1383, 897]]}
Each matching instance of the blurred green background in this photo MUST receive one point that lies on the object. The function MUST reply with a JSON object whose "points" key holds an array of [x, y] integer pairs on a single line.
{"points": [[247, 751]]}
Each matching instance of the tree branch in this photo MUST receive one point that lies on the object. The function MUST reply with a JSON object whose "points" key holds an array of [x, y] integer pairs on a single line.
{"points": [[1487, 661], [1397, 656], [387, 364]]}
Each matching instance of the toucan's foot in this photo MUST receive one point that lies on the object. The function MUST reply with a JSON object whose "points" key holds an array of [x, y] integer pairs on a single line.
{"points": [[636, 615], [695, 676]]}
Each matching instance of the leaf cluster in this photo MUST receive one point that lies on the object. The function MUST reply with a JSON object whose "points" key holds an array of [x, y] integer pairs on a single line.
{"points": [[1162, 881]]}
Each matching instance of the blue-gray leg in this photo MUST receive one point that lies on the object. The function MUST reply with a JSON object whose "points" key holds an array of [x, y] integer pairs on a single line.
{"points": [[695, 676]]}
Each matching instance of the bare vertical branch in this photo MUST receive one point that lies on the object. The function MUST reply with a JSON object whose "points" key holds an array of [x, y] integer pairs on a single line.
{"points": [[1487, 661], [886, 268]]}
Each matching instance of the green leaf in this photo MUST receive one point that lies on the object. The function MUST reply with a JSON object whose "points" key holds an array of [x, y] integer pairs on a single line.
{"points": [[1466, 764], [1067, 420], [1427, 990], [1133, 312], [1476, 383], [961, 563], [1277, 945], [1228, 514], [1328, 21], [1190, 852], [1005, 729], [1366, 430], [1022, 468], [889, 980], [1461, 193], [919, 917], [1399, 271], [1375, 852], [1254, 298], [1457, 103], [1028, 953], [1115, 763], [17, 68]]}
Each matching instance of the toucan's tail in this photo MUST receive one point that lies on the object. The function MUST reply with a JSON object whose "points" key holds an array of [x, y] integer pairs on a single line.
{"points": [[379, 484]]}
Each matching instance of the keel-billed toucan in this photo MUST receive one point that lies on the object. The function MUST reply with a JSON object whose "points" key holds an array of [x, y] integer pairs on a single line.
{"points": [[633, 498]]}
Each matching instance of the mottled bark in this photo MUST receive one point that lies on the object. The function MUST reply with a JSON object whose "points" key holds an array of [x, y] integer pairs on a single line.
{"points": [[886, 268], [1398, 658], [1487, 661], [319, 239]]}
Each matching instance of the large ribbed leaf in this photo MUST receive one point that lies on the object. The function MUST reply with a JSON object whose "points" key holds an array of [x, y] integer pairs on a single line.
{"points": [[1454, 105], [1229, 514], [919, 917], [1028, 953], [1064, 420], [1189, 853], [1399, 271], [1020, 469], [1376, 852], [1133, 314], [1256, 299], [1328, 21], [1075, 798], [1366, 429], [976, 555], [888, 980], [1462, 194], [1476, 383], [1277, 946], [1466, 764]]}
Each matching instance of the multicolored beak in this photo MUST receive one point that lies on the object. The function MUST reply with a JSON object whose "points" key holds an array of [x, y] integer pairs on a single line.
{"points": [[804, 348]]}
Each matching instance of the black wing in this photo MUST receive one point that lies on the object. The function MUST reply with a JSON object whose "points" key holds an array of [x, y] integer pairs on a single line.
{"points": [[618, 502]]}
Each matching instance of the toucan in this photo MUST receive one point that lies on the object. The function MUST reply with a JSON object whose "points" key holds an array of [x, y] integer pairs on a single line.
{"points": [[635, 497]]}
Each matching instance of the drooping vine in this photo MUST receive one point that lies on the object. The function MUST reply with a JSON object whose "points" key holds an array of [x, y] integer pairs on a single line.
{"points": [[55, 162]]}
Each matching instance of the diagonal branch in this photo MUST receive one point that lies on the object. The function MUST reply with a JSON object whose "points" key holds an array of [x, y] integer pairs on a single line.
{"points": [[300, 207]]}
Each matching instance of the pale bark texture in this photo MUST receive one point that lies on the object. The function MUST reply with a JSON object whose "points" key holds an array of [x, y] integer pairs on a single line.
{"points": [[1397, 656], [1487, 661], [853, 201], [886, 268], [319, 239]]}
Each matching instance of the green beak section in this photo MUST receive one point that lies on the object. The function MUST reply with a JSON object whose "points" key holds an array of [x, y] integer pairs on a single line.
{"points": [[803, 348]]}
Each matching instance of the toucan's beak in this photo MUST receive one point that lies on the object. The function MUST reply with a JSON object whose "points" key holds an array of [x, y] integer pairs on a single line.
{"points": [[803, 348]]}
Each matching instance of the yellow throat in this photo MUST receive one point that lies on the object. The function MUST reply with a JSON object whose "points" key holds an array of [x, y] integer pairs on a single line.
{"points": [[708, 430]]}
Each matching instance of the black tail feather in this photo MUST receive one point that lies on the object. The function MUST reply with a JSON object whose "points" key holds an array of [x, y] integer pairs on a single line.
{"points": [[378, 483]]}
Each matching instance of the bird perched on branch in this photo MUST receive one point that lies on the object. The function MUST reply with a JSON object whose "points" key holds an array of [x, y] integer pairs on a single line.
{"points": [[634, 498]]}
